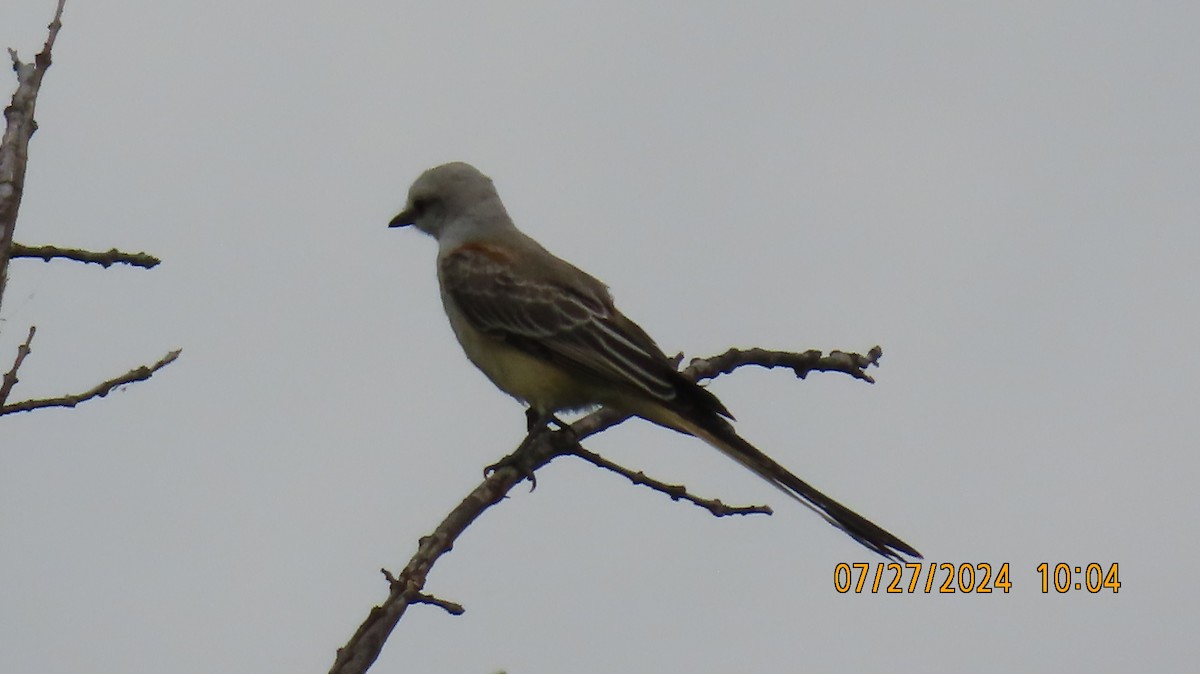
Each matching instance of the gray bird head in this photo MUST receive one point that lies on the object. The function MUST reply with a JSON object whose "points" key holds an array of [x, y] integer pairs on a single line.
{"points": [[450, 193]]}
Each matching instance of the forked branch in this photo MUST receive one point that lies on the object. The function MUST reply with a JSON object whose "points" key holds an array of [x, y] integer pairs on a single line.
{"points": [[538, 449], [98, 391], [19, 127]]}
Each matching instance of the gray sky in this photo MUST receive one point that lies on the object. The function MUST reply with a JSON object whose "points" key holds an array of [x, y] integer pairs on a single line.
{"points": [[1003, 196]]}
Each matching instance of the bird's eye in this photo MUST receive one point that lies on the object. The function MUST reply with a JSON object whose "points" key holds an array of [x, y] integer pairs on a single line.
{"points": [[419, 204]]}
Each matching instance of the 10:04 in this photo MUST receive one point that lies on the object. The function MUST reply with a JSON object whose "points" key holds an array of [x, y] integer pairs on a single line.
{"points": [[1065, 577]]}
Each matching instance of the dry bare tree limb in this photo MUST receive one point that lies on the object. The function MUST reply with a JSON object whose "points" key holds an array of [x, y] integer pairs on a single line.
{"points": [[677, 492], [364, 647], [98, 391], [853, 364], [105, 259], [10, 377], [538, 449], [14, 148], [19, 128]]}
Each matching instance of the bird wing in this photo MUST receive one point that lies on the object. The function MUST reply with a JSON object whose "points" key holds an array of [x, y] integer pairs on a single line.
{"points": [[574, 325]]}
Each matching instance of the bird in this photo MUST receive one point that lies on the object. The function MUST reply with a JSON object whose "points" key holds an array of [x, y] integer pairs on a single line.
{"points": [[549, 334]]}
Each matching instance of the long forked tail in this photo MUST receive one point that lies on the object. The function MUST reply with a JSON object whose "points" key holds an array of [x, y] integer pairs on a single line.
{"points": [[720, 434]]}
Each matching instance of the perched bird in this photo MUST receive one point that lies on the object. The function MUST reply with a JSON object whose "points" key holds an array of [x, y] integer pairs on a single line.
{"points": [[548, 334]]}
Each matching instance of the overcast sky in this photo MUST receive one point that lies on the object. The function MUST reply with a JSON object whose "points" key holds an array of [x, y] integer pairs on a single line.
{"points": [[1004, 196]]}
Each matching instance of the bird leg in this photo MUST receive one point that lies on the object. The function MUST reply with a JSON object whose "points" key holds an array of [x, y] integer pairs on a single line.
{"points": [[540, 422], [537, 423]]}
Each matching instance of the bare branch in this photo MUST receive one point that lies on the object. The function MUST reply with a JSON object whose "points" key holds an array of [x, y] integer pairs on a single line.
{"points": [[447, 606], [537, 450], [99, 391], [450, 607], [675, 491], [105, 259], [812, 360], [14, 148], [10, 377], [853, 364], [363, 648]]}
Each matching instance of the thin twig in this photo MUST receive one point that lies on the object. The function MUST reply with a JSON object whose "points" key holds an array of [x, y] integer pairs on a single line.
{"points": [[10, 377], [99, 391], [105, 259], [853, 364], [447, 606], [677, 492]]}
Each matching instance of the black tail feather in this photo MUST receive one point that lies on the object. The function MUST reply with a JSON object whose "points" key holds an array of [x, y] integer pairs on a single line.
{"points": [[720, 433]]}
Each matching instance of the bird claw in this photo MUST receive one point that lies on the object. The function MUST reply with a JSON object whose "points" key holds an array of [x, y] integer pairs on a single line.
{"points": [[517, 462], [537, 424]]}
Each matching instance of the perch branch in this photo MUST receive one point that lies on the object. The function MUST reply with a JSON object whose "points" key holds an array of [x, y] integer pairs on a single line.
{"points": [[10, 377], [537, 450], [18, 129], [105, 259], [405, 589], [99, 391]]}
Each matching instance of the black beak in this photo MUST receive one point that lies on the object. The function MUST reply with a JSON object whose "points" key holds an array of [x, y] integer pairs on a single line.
{"points": [[404, 219]]}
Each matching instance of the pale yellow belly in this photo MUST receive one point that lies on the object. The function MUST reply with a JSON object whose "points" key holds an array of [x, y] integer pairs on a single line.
{"points": [[544, 386]]}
